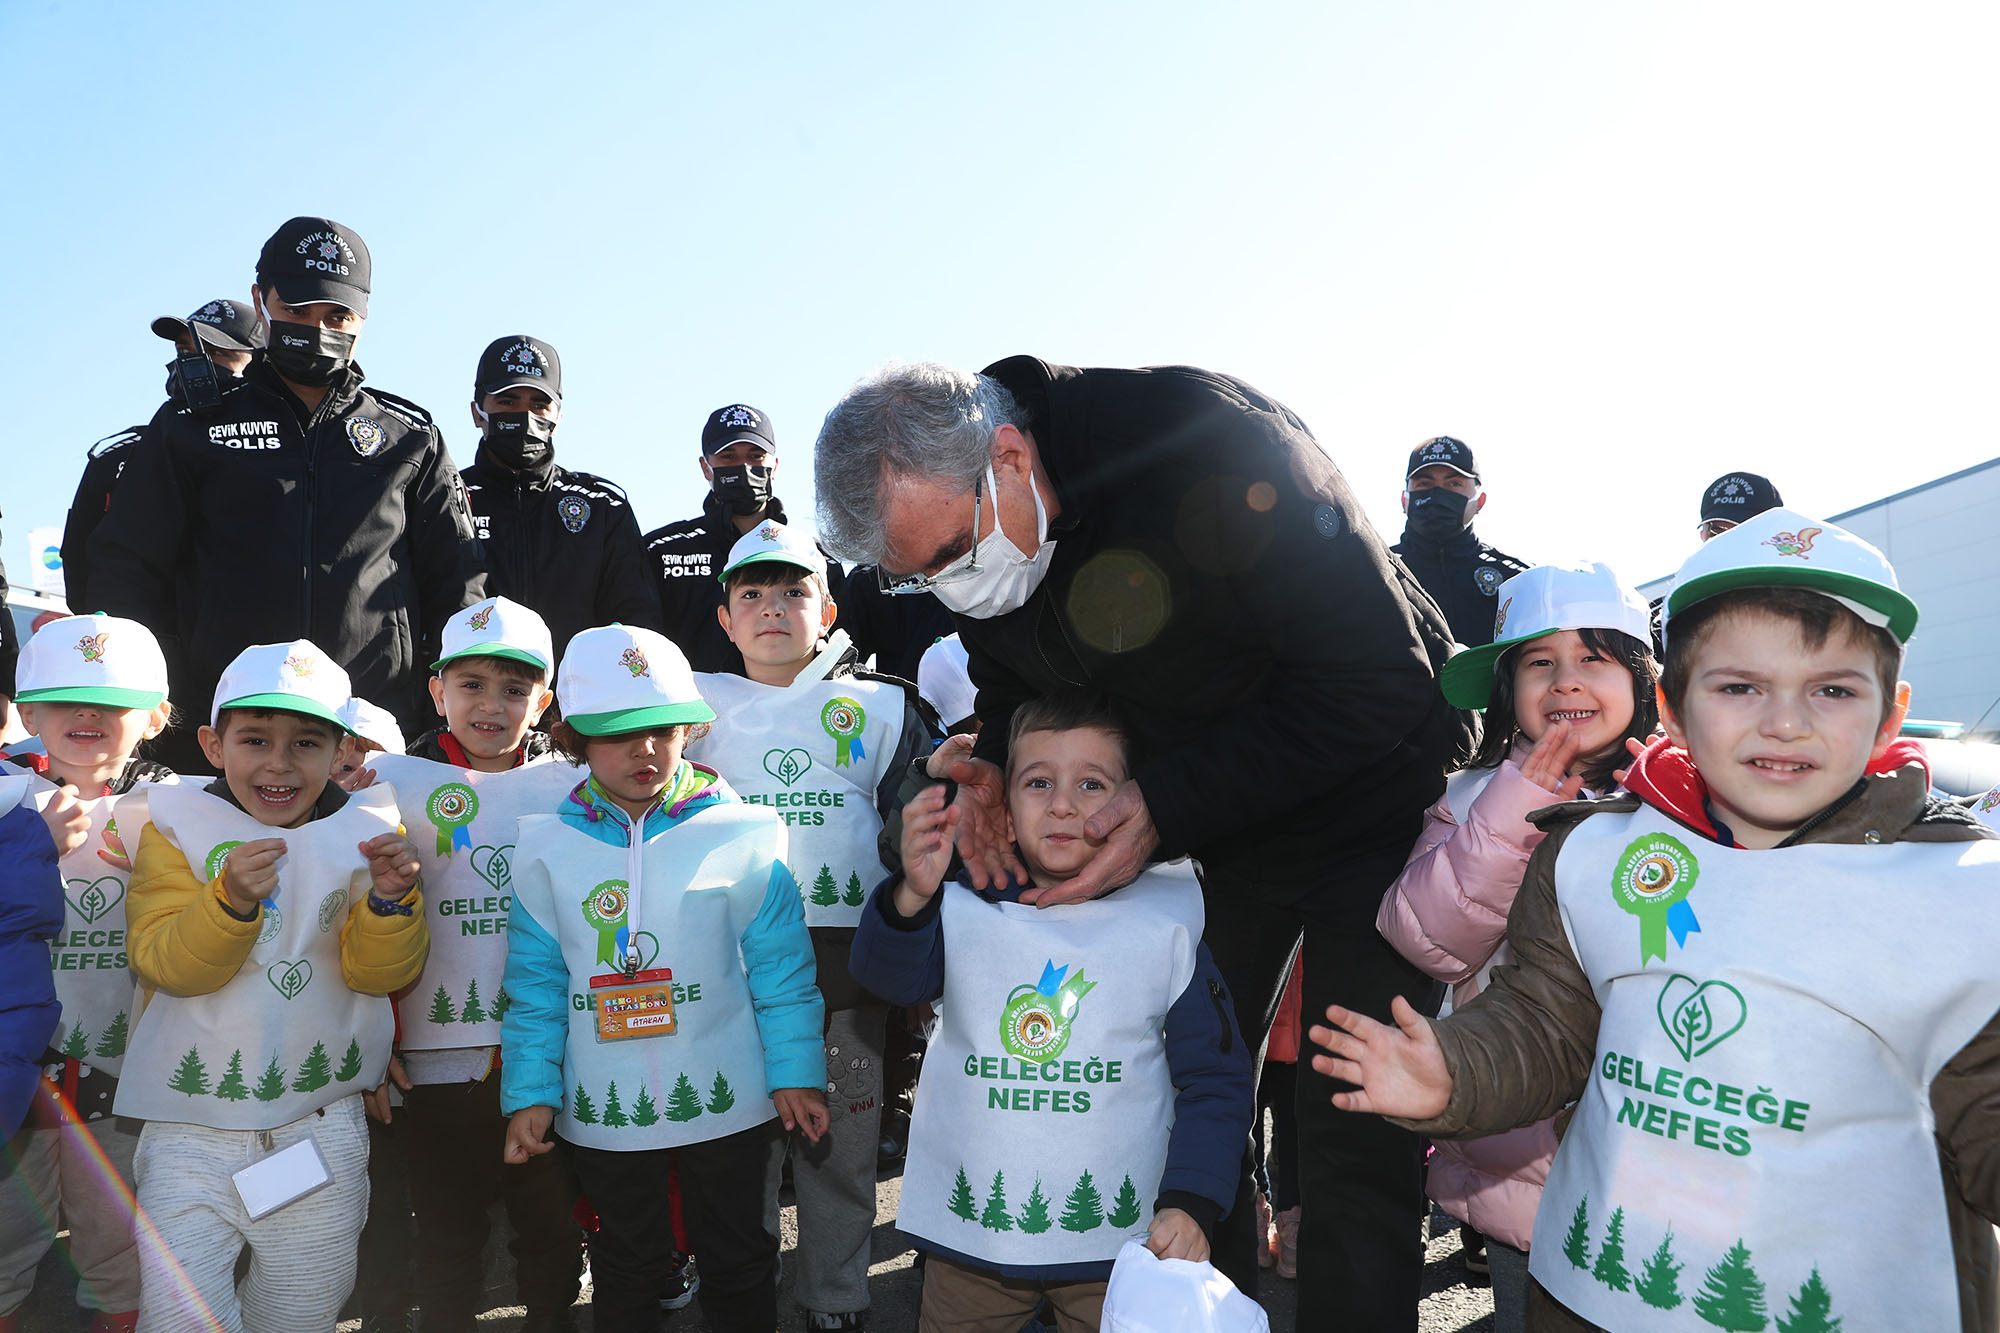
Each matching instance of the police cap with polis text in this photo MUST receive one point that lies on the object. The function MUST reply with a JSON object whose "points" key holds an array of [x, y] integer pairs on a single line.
{"points": [[738, 421], [1443, 451], [1738, 495], [316, 259], [230, 325], [518, 360]]}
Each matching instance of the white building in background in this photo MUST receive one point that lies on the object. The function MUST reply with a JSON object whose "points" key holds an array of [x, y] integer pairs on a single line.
{"points": [[1939, 537]]}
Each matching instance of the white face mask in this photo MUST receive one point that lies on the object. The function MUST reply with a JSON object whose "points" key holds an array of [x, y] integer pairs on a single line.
{"points": [[1005, 578]]}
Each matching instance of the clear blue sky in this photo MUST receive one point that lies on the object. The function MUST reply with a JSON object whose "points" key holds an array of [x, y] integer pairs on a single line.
{"points": [[1617, 248]]}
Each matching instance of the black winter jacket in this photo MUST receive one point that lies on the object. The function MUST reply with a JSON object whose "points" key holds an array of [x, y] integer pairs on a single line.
{"points": [[1215, 578], [565, 544], [1461, 575], [346, 525], [101, 470]]}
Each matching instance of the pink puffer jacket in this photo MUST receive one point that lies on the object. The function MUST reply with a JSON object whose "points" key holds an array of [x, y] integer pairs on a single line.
{"points": [[1447, 913]]}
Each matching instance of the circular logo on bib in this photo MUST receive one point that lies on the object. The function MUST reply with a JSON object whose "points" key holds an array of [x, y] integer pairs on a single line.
{"points": [[1035, 1021], [330, 909], [844, 720], [220, 854], [1652, 880]]}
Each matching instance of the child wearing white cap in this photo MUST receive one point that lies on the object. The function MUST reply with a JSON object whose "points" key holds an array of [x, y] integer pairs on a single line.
{"points": [[92, 688], [1567, 680], [464, 788], [271, 916], [660, 987], [806, 733], [1762, 979]]}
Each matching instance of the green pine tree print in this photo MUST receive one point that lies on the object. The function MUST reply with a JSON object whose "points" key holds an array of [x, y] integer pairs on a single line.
{"points": [[1732, 1295], [1659, 1281], [232, 1087], [683, 1103], [78, 1045], [581, 1108], [350, 1063], [1610, 1268], [192, 1076], [315, 1071], [961, 1201], [853, 894], [1084, 1209], [500, 1003], [1812, 1309], [472, 1011], [825, 893], [112, 1044], [1034, 1218], [996, 1217], [720, 1095], [644, 1109], [441, 1008], [1125, 1208], [272, 1085], [1576, 1243], [614, 1114]]}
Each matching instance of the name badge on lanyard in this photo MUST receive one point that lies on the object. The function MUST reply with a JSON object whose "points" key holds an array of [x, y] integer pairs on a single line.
{"points": [[639, 1004]]}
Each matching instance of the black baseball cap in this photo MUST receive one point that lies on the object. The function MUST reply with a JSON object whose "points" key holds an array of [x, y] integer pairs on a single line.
{"points": [[738, 421], [515, 360], [230, 325], [1736, 496], [1443, 451], [316, 259]]}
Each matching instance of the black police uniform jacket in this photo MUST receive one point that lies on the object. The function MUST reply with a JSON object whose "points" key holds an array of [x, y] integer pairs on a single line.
{"points": [[260, 522], [1461, 574], [1215, 579], [565, 544], [686, 559]]}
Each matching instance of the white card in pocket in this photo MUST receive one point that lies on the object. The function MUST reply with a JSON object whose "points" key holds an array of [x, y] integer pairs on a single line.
{"points": [[287, 1175]]}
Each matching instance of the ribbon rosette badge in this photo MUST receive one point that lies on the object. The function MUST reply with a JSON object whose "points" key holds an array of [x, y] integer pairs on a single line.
{"points": [[452, 808], [1034, 1023], [1652, 882], [844, 720], [604, 909]]}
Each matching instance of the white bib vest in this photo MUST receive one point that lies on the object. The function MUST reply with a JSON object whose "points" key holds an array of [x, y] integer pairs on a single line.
{"points": [[93, 980], [463, 824], [697, 886], [1042, 1115], [1756, 1134], [815, 752], [285, 1036]]}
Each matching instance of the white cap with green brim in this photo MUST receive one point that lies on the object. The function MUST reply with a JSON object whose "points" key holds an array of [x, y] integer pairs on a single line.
{"points": [[498, 627], [1782, 548], [374, 724], [775, 541], [293, 677], [1541, 601], [616, 678], [95, 659]]}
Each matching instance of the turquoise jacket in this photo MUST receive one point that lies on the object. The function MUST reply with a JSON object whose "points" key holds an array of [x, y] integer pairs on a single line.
{"points": [[777, 960]]}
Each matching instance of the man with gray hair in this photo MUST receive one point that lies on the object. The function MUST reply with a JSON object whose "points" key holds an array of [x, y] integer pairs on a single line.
{"points": [[1176, 541]]}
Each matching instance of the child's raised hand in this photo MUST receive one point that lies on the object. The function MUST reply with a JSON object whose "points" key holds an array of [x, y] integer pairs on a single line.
{"points": [[1634, 747], [949, 752], [69, 823], [980, 829], [1547, 765], [803, 1109], [528, 1134], [1399, 1070], [928, 825], [1175, 1235], [392, 860], [355, 779], [250, 873]]}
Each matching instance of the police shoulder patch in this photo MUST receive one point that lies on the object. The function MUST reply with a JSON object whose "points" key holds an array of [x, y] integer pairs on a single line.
{"points": [[1489, 578], [574, 511], [366, 435]]}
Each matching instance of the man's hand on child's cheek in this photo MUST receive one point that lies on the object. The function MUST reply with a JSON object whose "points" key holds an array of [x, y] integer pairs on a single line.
{"points": [[392, 860], [1175, 1235], [803, 1109]]}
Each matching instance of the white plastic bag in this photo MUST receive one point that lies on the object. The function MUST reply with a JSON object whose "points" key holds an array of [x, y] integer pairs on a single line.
{"points": [[1149, 1295]]}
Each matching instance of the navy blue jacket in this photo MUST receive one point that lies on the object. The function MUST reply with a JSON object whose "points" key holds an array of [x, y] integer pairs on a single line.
{"points": [[31, 914]]}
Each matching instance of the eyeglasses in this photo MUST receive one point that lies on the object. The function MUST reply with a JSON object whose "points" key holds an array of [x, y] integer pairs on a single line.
{"points": [[964, 565], [1714, 527]]}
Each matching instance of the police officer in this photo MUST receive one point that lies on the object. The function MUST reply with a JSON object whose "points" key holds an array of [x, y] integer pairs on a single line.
{"points": [[739, 457], [1441, 494], [564, 543], [302, 505]]}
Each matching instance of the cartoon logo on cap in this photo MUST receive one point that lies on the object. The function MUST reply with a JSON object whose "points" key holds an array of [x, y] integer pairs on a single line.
{"points": [[740, 415], [574, 511], [1793, 543], [92, 647], [1500, 617], [477, 620], [635, 662], [769, 532], [366, 435], [301, 666]]}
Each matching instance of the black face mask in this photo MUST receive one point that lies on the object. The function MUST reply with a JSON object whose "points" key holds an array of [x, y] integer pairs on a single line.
{"points": [[1436, 514], [743, 489], [520, 440], [308, 354]]}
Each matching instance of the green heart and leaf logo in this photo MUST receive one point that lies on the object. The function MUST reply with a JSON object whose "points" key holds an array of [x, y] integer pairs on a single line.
{"points": [[288, 978], [93, 899], [787, 766], [1700, 1016], [495, 865]]}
